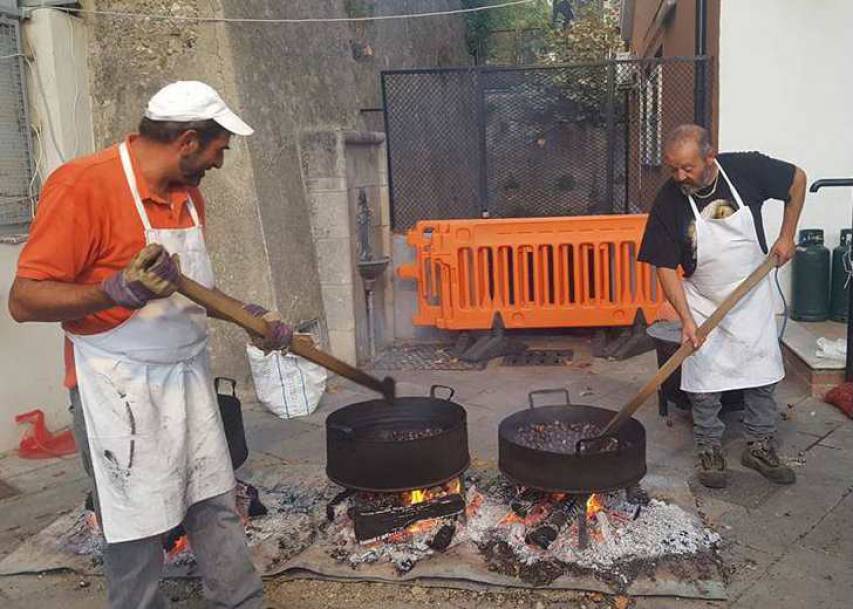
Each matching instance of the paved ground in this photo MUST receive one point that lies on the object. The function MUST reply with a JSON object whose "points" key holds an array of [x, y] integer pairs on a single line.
{"points": [[784, 547]]}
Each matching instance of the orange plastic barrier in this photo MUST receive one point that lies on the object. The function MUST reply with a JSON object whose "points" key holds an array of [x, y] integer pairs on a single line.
{"points": [[532, 272]]}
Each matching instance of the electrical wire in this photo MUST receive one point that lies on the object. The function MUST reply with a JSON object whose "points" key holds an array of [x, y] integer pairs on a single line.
{"points": [[160, 17], [76, 147]]}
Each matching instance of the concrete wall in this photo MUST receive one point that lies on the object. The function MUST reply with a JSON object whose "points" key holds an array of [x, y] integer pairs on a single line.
{"points": [[367, 176], [31, 363], [285, 80], [337, 167], [784, 91], [312, 77]]}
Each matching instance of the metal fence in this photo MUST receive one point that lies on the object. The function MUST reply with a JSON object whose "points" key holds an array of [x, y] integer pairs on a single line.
{"points": [[16, 159], [535, 141]]}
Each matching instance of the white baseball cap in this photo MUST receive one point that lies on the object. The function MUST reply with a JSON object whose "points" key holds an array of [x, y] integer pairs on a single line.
{"points": [[191, 100]]}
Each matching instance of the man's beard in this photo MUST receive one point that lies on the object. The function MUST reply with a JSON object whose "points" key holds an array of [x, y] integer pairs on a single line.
{"points": [[706, 180], [191, 173]]}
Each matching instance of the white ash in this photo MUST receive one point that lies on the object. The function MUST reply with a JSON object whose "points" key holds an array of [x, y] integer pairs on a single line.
{"points": [[403, 550], [615, 537], [84, 537], [293, 532]]}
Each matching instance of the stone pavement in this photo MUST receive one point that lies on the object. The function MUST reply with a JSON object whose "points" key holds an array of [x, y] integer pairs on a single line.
{"points": [[784, 547]]}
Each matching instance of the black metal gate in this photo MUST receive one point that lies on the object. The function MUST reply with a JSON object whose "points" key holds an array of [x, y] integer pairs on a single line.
{"points": [[535, 141]]}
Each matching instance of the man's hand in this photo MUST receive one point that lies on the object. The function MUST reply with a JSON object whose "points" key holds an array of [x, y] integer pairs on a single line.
{"points": [[689, 334], [151, 274], [279, 334], [783, 249]]}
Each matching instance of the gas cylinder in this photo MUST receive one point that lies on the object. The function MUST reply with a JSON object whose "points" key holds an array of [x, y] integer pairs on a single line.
{"points": [[841, 259], [810, 278]]}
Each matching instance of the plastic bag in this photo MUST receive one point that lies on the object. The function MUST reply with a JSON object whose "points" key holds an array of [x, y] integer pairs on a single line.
{"points": [[39, 443], [832, 349], [841, 397], [286, 384]]}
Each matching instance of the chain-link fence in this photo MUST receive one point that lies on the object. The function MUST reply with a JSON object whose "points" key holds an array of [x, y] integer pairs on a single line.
{"points": [[16, 161], [535, 141]]}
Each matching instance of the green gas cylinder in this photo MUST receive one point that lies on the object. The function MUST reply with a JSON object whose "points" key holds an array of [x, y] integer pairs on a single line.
{"points": [[810, 278], [841, 259]]}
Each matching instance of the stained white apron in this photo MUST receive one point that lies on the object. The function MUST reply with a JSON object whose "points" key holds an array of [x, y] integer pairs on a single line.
{"points": [[743, 351], [155, 432]]}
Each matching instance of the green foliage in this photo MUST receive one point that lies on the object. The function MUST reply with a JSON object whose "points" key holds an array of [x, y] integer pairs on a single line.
{"points": [[592, 36], [358, 8], [480, 25]]}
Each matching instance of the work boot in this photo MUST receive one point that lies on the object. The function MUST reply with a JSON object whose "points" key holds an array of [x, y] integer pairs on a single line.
{"points": [[712, 467], [761, 456]]}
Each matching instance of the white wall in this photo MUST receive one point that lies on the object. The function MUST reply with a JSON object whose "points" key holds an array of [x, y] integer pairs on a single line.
{"points": [[30, 363], [785, 90], [31, 366]]}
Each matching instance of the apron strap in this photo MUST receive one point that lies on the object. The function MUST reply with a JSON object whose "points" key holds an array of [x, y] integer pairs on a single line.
{"points": [[694, 208], [732, 188], [131, 182], [193, 213], [124, 153]]}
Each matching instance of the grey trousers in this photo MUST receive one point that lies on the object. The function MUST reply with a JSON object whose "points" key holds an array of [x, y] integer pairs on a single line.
{"points": [[217, 538], [759, 418]]}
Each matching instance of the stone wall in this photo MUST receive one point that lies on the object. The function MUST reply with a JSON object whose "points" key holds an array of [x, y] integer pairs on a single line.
{"points": [[284, 80]]}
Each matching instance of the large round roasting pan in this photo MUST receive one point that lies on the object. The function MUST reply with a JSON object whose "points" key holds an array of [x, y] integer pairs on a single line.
{"points": [[591, 469], [359, 455]]}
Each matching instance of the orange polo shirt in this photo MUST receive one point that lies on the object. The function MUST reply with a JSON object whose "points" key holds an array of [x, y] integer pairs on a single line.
{"points": [[86, 228]]}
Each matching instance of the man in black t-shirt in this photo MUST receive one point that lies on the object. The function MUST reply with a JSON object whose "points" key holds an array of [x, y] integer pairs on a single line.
{"points": [[707, 220]]}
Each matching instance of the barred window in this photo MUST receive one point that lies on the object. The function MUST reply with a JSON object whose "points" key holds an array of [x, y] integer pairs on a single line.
{"points": [[17, 169]]}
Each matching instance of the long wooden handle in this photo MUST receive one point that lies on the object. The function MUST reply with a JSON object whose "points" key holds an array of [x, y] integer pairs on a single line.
{"points": [[302, 345], [687, 348]]}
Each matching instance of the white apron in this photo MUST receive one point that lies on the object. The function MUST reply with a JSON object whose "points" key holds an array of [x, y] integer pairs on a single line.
{"points": [[743, 351], [155, 432]]}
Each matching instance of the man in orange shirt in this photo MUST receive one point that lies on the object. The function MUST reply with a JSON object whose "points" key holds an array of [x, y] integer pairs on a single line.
{"points": [[112, 234]]}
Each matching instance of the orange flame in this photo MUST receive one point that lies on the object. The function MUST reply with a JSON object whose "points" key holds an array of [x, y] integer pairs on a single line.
{"points": [[181, 544], [593, 506], [452, 487]]}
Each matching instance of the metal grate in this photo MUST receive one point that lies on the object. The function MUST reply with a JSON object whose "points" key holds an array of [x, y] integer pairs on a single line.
{"points": [[422, 357], [16, 159], [534, 141], [539, 357]]}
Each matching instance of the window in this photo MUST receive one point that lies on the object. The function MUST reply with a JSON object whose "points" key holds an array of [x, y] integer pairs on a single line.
{"points": [[17, 171]]}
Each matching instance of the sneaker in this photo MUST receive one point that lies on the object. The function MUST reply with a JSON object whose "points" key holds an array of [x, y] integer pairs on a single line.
{"points": [[761, 456], [712, 468]]}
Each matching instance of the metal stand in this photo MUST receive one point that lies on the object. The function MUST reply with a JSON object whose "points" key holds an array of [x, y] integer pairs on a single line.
{"points": [[583, 532]]}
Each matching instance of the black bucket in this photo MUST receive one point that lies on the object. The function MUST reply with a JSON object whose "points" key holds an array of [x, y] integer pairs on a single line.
{"points": [[232, 421], [667, 337]]}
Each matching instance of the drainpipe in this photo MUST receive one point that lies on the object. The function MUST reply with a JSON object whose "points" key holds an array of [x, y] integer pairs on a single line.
{"points": [[700, 88]]}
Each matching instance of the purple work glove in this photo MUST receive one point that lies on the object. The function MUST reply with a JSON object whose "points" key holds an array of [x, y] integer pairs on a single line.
{"points": [[279, 334], [151, 274]]}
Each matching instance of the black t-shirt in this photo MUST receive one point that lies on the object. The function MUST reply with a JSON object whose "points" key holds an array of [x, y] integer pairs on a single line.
{"points": [[669, 240]]}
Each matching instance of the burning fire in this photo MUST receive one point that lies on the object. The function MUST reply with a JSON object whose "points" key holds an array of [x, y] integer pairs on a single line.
{"points": [[453, 487], [181, 544], [426, 494], [594, 505]]}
